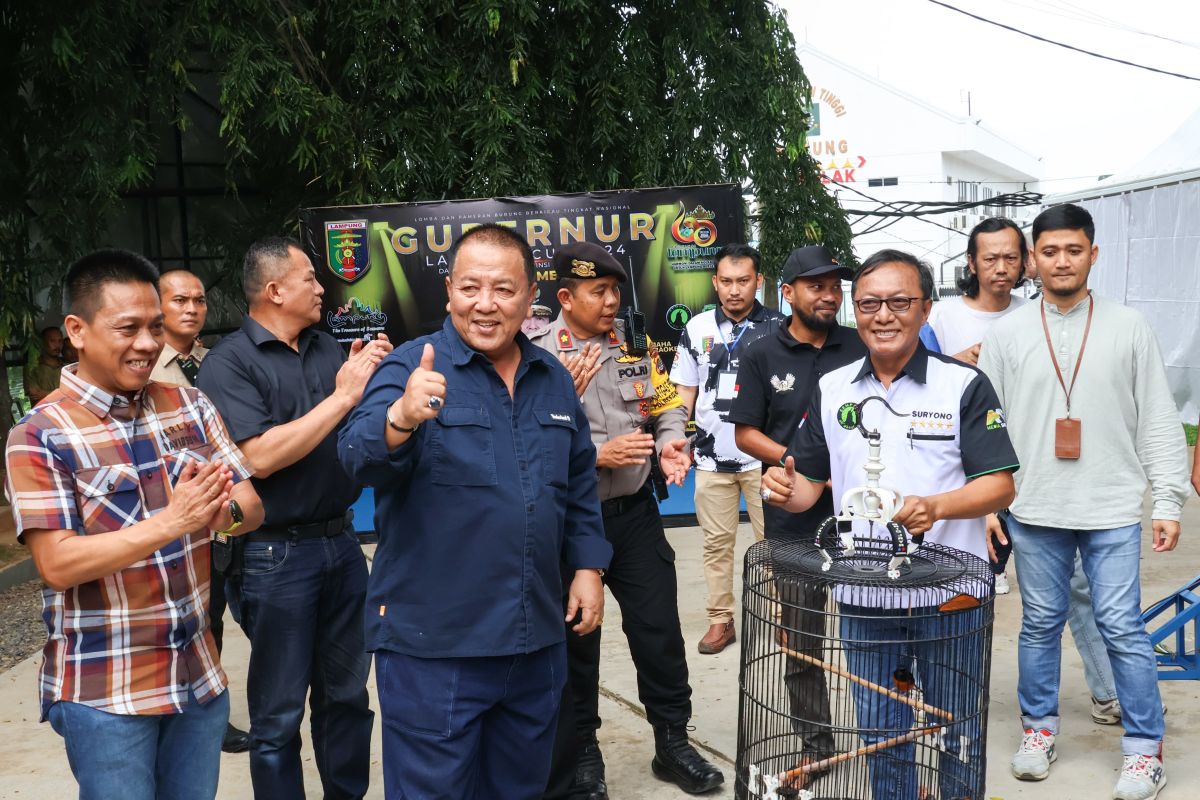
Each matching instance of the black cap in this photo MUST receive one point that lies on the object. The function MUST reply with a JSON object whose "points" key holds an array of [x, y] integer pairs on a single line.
{"points": [[584, 260], [804, 262]]}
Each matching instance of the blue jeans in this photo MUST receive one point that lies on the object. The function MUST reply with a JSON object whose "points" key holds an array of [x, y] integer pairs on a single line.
{"points": [[1081, 619], [469, 728], [946, 652], [301, 605], [144, 757], [1045, 561]]}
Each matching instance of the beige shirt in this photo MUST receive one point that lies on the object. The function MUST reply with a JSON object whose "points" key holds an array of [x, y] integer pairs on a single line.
{"points": [[167, 369], [628, 392], [1130, 431]]}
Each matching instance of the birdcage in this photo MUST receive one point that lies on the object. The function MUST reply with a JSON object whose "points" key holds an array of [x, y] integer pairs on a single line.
{"points": [[864, 675]]}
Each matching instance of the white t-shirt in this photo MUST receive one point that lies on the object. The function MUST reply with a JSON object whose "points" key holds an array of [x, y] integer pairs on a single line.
{"points": [[959, 326]]}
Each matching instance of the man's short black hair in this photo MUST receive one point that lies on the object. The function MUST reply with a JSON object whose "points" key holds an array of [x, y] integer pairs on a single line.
{"points": [[969, 282], [501, 236], [44, 332], [887, 256], [1068, 217], [738, 250], [88, 276], [261, 264]]}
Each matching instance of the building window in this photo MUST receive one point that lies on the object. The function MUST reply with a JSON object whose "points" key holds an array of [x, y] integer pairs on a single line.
{"points": [[883, 182]]}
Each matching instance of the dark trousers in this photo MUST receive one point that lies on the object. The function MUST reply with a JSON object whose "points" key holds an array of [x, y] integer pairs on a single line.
{"points": [[1003, 551], [216, 608], [301, 605], [467, 728], [642, 579]]}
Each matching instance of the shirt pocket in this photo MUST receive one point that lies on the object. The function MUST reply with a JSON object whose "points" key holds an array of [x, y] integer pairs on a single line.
{"points": [[463, 453], [175, 461], [109, 497], [558, 428], [633, 391]]}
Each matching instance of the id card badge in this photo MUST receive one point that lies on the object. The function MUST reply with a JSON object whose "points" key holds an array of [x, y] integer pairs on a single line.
{"points": [[727, 389], [1066, 438]]}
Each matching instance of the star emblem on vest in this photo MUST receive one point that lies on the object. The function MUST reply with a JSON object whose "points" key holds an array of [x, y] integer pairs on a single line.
{"points": [[784, 384], [582, 269]]}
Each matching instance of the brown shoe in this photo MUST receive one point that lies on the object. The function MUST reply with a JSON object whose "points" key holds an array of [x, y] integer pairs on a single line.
{"points": [[720, 635]]}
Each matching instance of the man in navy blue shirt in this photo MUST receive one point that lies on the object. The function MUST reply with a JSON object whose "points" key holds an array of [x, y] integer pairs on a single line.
{"points": [[485, 479]]}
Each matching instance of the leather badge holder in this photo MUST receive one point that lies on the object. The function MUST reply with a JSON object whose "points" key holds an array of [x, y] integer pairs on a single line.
{"points": [[1066, 438]]}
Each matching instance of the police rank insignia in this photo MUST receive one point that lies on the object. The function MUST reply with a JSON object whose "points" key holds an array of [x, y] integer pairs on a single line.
{"points": [[639, 388], [346, 249], [583, 269], [565, 342], [613, 341]]}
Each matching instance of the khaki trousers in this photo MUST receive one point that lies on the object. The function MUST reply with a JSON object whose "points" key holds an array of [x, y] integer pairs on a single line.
{"points": [[717, 495]]}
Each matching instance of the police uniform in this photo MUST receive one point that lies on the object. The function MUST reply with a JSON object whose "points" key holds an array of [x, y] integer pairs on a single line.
{"points": [[628, 393]]}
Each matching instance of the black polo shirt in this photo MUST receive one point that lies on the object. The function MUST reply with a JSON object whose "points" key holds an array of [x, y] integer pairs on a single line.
{"points": [[257, 382], [776, 380]]}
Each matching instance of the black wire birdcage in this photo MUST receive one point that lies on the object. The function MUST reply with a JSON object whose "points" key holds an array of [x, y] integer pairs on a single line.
{"points": [[861, 683]]}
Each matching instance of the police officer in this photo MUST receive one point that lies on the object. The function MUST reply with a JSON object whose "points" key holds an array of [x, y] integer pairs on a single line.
{"points": [[626, 392]]}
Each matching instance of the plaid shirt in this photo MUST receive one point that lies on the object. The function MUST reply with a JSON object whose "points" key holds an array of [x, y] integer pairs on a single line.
{"points": [[136, 641]]}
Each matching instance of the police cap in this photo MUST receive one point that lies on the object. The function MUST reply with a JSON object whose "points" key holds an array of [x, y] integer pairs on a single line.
{"points": [[584, 260]]}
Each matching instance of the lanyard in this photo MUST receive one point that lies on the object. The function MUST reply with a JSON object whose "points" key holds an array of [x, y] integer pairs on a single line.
{"points": [[1079, 360], [731, 347]]}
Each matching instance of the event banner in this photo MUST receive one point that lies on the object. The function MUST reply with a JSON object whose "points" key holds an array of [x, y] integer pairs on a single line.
{"points": [[384, 266]]}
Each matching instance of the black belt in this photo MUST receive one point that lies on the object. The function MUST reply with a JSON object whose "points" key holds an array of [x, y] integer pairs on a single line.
{"points": [[619, 505], [312, 530]]}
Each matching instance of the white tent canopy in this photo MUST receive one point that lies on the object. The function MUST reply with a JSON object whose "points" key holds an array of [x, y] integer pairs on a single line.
{"points": [[1148, 230]]}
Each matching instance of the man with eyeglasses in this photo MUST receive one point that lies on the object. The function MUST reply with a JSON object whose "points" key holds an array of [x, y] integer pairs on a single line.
{"points": [[949, 453], [776, 378]]}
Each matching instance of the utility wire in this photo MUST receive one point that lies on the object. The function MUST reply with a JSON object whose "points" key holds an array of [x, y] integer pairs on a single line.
{"points": [[1061, 44]]}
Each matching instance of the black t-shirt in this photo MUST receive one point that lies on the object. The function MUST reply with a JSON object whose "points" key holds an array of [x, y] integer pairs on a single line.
{"points": [[776, 379], [257, 382]]}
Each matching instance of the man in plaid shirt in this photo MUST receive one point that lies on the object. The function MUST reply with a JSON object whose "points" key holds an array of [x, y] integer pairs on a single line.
{"points": [[117, 484]]}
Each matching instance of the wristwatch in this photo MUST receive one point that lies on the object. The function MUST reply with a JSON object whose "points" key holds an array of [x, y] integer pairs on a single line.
{"points": [[235, 514]]}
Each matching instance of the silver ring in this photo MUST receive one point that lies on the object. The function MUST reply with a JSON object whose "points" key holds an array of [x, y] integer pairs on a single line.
{"points": [[435, 403], [766, 495]]}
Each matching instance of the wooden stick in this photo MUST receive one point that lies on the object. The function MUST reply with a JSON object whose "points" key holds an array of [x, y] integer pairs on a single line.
{"points": [[817, 766], [928, 709]]}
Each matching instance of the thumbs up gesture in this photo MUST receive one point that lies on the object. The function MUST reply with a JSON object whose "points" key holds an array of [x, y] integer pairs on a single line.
{"points": [[424, 384], [778, 483]]}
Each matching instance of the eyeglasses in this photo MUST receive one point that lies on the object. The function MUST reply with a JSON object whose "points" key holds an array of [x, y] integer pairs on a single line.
{"points": [[897, 305]]}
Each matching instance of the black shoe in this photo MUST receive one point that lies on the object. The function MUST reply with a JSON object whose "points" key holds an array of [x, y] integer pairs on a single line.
{"points": [[235, 741], [589, 772], [675, 760]]}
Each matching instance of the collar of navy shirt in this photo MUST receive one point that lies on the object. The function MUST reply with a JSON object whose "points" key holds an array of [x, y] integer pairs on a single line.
{"points": [[916, 368]]}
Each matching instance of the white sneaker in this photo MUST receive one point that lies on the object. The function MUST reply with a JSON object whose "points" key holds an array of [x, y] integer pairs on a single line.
{"points": [[1108, 712], [1036, 754], [1142, 777], [1002, 586]]}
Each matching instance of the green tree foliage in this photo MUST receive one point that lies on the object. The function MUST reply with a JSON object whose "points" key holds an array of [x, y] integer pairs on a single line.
{"points": [[320, 102]]}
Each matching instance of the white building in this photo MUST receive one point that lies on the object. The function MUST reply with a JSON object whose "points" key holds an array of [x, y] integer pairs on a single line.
{"points": [[893, 146], [1149, 239]]}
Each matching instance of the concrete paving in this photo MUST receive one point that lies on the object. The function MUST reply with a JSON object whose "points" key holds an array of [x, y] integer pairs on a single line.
{"points": [[33, 764]]}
